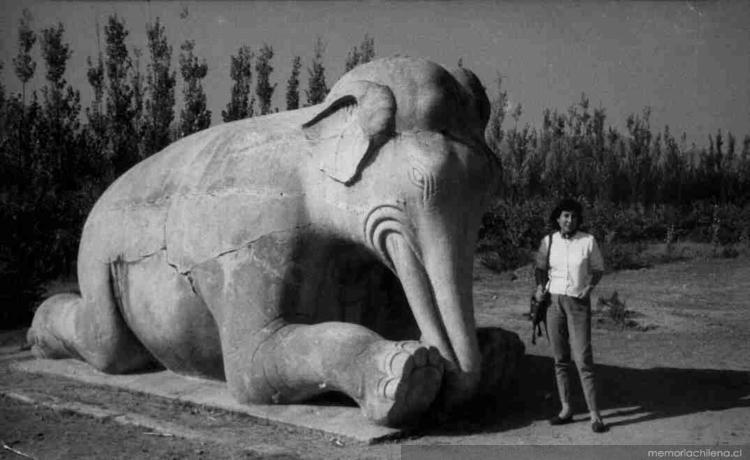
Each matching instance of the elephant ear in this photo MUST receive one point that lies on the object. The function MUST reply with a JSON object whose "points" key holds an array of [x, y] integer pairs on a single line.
{"points": [[469, 81], [358, 119]]}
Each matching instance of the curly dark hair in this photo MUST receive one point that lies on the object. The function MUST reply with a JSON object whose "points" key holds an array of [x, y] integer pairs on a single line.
{"points": [[567, 204]]}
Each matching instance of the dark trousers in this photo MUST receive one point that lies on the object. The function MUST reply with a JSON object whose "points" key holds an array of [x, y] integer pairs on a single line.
{"points": [[569, 320]]}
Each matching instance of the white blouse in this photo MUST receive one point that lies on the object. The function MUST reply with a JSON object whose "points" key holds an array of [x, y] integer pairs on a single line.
{"points": [[571, 262]]}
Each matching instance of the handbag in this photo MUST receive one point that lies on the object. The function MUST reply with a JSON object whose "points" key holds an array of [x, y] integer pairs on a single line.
{"points": [[538, 309]]}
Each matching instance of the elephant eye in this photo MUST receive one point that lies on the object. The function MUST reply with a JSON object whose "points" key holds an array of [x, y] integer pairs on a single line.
{"points": [[417, 177], [424, 181]]}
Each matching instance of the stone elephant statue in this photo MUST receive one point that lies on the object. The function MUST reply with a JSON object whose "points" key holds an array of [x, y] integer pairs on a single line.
{"points": [[227, 254]]}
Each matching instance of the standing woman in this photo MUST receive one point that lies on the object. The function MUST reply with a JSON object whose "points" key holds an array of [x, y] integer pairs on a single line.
{"points": [[575, 267]]}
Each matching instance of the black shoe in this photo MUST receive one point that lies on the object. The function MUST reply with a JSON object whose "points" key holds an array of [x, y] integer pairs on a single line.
{"points": [[557, 420], [599, 427]]}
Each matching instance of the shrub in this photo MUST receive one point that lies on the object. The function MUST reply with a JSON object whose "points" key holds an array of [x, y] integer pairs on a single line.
{"points": [[512, 229], [614, 313], [624, 257]]}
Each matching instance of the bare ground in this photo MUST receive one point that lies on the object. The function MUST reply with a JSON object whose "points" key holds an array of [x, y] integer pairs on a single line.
{"points": [[679, 375]]}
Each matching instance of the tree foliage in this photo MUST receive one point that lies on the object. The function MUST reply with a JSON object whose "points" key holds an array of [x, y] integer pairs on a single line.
{"points": [[59, 157], [263, 87], [23, 64], [241, 71], [292, 85], [576, 154], [94, 133], [195, 115], [42, 201], [498, 108], [61, 107], [317, 89], [360, 55], [121, 146], [137, 82], [160, 82]]}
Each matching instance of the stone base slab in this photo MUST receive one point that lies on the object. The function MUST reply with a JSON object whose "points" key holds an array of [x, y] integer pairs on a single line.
{"points": [[339, 421]]}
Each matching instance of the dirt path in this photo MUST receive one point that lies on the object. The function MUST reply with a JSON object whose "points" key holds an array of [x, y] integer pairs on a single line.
{"points": [[683, 377]]}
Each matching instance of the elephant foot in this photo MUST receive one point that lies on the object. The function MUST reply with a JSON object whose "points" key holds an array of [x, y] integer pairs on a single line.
{"points": [[407, 379], [497, 384], [44, 335]]}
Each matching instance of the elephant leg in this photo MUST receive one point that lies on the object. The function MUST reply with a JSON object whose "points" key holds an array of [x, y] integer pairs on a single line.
{"points": [[171, 320], [393, 382], [51, 334], [88, 327], [269, 360]]}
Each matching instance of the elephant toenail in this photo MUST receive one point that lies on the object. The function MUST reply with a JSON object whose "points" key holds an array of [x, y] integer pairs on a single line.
{"points": [[434, 356], [391, 387], [411, 346], [420, 357], [381, 386], [397, 362]]}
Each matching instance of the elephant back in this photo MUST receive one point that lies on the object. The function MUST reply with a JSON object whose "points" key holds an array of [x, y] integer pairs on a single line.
{"points": [[199, 196]]}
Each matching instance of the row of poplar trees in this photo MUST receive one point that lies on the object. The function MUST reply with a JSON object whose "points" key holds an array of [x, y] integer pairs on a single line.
{"points": [[575, 153], [57, 157]]}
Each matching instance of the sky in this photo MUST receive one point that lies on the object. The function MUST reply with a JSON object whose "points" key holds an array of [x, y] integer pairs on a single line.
{"points": [[688, 61]]}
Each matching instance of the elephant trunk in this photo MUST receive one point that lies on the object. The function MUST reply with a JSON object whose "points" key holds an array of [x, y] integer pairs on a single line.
{"points": [[450, 270], [438, 288]]}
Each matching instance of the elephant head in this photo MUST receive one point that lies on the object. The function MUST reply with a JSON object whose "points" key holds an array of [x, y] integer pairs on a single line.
{"points": [[401, 143]]}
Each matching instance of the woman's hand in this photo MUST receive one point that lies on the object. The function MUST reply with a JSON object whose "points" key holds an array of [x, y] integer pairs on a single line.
{"points": [[539, 294], [586, 293]]}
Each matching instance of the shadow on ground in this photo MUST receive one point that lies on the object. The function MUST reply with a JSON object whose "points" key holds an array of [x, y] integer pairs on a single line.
{"points": [[639, 394], [627, 395]]}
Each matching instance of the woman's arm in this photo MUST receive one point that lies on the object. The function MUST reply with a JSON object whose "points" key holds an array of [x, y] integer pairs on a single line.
{"points": [[596, 276], [596, 266]]}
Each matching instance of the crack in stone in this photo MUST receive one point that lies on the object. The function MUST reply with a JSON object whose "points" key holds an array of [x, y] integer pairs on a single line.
{"points": [[187, 273], [251, 242], [140, 258]]}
